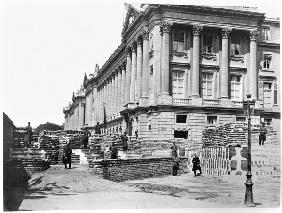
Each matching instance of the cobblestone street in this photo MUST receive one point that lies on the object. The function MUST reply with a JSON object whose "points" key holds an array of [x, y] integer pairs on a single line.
{"points": [[54, 188]]}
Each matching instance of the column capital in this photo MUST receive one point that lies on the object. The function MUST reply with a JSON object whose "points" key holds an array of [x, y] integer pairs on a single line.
{"points": [[145, 33], [165, 26], [139, 40], [253, 35], [123, 65], [133, 47], [128, 51], [225, 32], [197, 30]]}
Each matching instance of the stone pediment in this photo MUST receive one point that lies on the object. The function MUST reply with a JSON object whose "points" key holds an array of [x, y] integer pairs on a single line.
{"points": [[131, 15]]}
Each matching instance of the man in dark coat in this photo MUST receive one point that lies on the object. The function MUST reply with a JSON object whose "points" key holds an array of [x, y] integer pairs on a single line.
{"points": [[262, 134], [175, 167], [114, 154], [28, 135], [124, 141], [67, 156], [196, 165]]}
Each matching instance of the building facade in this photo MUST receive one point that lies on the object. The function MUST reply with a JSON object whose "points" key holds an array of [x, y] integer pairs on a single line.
{"points": [[181, 68]]}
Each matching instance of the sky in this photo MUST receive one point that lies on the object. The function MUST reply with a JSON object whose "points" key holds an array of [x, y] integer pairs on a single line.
{"points": [[47, 46]]}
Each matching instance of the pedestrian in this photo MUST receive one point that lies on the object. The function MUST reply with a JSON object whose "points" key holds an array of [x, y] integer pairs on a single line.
{"points": [[174, 151], [114, 152], [28, 135], [136, 133], [196, 165], [97, 129], [124, 141], [86, 138], [262, 134], [67, 156], [175, 167]]}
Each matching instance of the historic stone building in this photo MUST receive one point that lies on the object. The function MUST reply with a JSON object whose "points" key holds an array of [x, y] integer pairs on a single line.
{"points": [[181, 68]]}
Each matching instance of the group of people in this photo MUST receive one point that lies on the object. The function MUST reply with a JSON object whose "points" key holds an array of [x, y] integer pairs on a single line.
{"points": [[195, 161]]}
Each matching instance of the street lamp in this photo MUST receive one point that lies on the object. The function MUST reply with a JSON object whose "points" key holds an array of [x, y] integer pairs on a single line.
{"points": [[248, 106]]}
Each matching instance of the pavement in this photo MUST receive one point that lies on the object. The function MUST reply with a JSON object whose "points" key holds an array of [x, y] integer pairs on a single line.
{"points": [[77, 189]]}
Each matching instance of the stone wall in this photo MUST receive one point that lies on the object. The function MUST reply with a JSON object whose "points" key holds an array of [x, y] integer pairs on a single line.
{"points": [[33, 160], [121, 170]]}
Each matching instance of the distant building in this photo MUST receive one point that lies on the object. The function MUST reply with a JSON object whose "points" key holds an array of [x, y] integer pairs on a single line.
{"points": [[183, 67]]}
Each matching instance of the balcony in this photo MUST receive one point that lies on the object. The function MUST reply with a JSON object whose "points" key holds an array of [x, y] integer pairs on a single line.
{"points": [[238, 104], [181, 101], [207, 102]]}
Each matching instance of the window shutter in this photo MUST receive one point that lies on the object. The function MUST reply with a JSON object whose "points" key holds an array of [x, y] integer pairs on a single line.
{"points": [[260, 85], [275, 93]]}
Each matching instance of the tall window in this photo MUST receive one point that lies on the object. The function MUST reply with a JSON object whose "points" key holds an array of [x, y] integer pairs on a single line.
{"points": [[208, 43], [178, 84], [265, 33], [266, 61], [178, 41], [235, 46], [207, 85], [236, 87], [267, 94]]}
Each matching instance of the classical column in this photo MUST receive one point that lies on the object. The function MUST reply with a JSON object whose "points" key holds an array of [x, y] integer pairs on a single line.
{"points": [[90, 108], [139, 68], [118, 89], [128, 76], [94, 118], [107, 97], [196, 61], [123, 85], [133, 74], [165, 28], [145, 71], [111, 95], [253, 64], [98, 103], [115, 93], [223, 75]]}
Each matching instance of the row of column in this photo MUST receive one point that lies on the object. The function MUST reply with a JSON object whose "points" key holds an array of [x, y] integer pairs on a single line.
{"points": [[111, 94], [138, 67], [128, 83], [224, 66]]}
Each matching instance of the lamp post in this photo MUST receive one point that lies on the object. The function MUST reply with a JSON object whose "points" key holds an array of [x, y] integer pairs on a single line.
{"points": [[248, 106]]}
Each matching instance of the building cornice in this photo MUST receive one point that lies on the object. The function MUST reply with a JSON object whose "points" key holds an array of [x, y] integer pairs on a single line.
{"points": [[269, 45]]}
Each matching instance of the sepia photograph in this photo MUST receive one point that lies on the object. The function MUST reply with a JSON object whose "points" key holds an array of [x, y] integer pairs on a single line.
{"points": [[140, 105]]}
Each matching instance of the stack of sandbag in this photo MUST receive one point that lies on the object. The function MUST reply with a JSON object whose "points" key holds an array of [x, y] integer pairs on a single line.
{"points": [[50, 144]]}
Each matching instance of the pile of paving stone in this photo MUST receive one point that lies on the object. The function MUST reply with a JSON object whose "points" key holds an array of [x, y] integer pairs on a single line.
{"points": [[50, 144], [138, 148], [223, 135], [234, 134], [19, 138]]}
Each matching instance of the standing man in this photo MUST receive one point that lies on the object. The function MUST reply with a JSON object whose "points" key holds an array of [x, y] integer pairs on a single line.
{"points": [[262, 134], [124, 141], [28, 135], [97, 129], [67, 155], [196, 165]]}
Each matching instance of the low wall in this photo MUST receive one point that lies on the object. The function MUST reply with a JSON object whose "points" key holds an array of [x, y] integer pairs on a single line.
{"points": [[33, 160], [130, 169]]}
